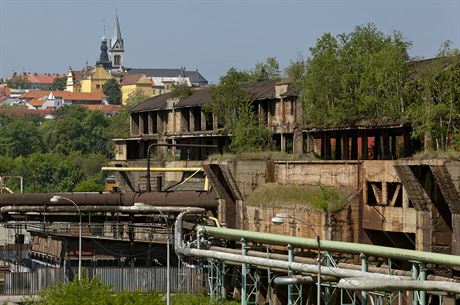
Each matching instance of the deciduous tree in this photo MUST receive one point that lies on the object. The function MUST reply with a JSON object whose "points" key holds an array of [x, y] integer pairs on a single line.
{"points": [[112, 90]]}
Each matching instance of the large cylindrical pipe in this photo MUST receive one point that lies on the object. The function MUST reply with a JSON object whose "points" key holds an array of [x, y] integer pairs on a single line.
{"points": [[334, 246], [144, 209], [272, 263], [405, 285], [307, 260], [179, 198], [292, 280]]}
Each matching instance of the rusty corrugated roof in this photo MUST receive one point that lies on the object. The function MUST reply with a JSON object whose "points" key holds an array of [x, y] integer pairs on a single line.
{"points": [[264, 90], [422, 68], [154, 103], [199, 97]]}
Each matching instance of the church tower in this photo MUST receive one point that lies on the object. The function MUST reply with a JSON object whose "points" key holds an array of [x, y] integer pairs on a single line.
{"points": [[117, 50], [104, 57]]}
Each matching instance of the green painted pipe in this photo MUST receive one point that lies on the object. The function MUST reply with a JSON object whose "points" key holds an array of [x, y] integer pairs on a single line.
{"points": [[334, 246]]}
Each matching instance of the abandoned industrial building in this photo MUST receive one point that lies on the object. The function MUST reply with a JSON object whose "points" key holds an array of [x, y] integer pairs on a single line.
{"points": [[167, 120], [189, 223]]}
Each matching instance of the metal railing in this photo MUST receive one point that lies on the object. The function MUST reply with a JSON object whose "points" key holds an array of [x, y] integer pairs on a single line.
{"points": [[120, 279]]}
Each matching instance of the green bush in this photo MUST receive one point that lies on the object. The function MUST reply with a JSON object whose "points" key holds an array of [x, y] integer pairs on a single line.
{"points": [[94, 292]]}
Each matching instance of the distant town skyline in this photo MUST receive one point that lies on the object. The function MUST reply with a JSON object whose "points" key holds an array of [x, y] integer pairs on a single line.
{"points": [[211, 36]]}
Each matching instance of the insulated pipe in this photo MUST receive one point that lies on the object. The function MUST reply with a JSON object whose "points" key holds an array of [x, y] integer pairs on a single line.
{"points": [[307, 260], [180, 198], [405, 285], [179, 227], [136, 209], [405, 273], [292, 280], [284, 265], [334, 246]]}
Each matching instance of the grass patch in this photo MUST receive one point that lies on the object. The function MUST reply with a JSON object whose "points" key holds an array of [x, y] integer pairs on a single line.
{"points": [[319, 197], [260, 155], [437, 154]]}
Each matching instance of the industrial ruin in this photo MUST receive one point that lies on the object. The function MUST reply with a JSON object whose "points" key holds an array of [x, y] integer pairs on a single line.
{"points": [[395, 241]]}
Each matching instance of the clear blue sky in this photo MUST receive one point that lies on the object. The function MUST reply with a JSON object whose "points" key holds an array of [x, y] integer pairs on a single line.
{"points": [[50, 35]]}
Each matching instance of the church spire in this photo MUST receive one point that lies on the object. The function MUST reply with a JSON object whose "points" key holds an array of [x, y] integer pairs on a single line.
{"points": [[116, 33], [117, 49]]}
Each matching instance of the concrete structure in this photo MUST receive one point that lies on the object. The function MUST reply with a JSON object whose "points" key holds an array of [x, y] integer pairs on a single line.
{"points": [[164, 119]]}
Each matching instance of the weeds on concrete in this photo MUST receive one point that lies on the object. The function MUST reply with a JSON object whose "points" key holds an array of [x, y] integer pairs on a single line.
{"points": [[260, 155], [319, 197]]}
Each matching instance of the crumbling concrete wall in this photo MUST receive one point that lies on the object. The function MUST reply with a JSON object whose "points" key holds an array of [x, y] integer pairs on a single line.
{"points": [[326, 173], [332, 226], [453, 166]]}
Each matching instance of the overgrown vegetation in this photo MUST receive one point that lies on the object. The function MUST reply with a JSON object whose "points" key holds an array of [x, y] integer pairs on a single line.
{"points": [[232, 106], [260, 155], [112, 90], [64, 154], [317, 197], [181, 90], [368, 75], [93, 292]]}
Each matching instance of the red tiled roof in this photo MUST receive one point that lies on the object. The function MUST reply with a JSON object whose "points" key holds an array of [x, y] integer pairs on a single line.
{"points": [[3, 98], [66, 95], [36, 102], [47, 78]]}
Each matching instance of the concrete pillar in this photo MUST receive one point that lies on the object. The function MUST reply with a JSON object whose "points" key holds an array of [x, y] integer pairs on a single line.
{"points": [[215, 122], [456, 234], [386, 145], [191, 118], [160, 122], [354, 146], [405, 198], [150, 122], [364, 146], [394, 148], [283, 142], [423, 231], [141, 124], [385, 192], [203, 121], [134, 124], [297, 142]]}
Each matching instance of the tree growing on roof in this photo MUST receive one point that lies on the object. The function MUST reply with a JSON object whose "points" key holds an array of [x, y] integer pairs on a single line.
{"points": [[181, 90], [268, 70], [447, 49], [232, 106], [435, 107], [355, 75], [112, 90]]}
